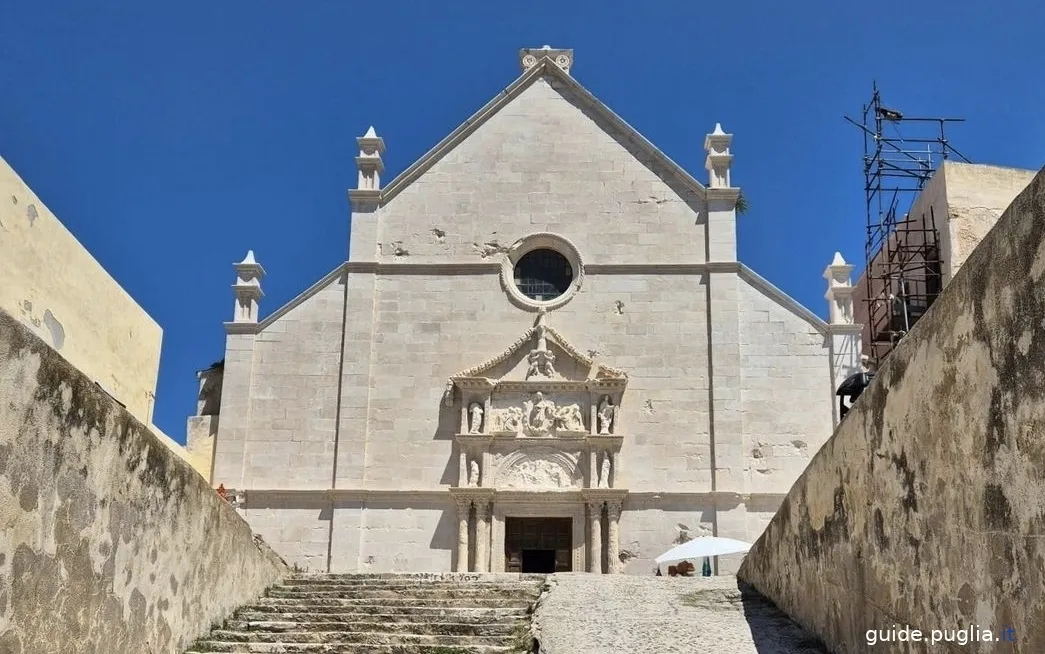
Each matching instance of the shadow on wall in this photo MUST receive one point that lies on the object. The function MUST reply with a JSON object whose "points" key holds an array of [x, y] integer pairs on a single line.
{"points": [[771, 630]]}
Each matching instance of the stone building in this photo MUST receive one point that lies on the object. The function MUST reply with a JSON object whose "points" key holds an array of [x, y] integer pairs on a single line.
{"points": [[541, 354]]}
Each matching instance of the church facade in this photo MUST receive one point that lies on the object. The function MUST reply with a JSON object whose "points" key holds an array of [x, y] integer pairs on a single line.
{"points": [[541, 355]]}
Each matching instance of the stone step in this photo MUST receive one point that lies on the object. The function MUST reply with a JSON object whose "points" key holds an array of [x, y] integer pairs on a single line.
{"points": [[427, 627], [407, 584], [350, 592], [221, 638], [269, 648], [383, 614], [317, 604], [418, 577]]}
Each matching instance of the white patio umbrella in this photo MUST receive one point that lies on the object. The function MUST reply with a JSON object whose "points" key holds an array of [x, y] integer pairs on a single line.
{"points": [[698, 548]]}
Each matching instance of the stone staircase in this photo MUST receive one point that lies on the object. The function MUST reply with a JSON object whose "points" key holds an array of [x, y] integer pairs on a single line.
{"points": [[384, 614]]}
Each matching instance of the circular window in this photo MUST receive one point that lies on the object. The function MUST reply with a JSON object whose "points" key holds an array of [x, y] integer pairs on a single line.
{"points": [[542, 271], [543, 274]]}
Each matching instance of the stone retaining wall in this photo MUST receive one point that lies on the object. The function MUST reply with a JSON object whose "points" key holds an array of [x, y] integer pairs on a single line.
{"points": [[109, 542]]}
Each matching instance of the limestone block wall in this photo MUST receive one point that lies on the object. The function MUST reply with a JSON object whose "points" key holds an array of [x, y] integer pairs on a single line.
{"points": [[294, 394], [924, 507], [429, 327], [56, 288], [543, 157], [419, 535], [109, 542], [787, 395]]}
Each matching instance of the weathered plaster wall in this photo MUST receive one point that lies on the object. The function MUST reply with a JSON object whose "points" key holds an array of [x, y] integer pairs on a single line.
{"points": [[56, 288], [108, 541], [924, 507]]}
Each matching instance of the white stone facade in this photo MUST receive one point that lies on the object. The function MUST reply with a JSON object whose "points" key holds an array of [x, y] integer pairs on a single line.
{"points": [[402, 412]]}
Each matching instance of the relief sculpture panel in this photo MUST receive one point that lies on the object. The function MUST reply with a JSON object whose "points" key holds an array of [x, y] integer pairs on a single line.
{"points": [[539, 469], [539, 416]]}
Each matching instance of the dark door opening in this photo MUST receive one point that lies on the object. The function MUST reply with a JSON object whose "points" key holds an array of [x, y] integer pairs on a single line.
{"points": [[539, 545], [539, 561]]}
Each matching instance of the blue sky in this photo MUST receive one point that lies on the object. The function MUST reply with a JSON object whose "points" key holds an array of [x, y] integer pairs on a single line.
{"points": [[171, 137]]}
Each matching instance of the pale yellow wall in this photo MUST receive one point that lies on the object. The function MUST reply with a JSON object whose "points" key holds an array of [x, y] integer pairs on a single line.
{"points": [[53, 285], [976, 196]]}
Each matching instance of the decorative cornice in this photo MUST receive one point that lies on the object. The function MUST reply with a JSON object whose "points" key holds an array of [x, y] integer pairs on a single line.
{"points": [[487, 268], [723, 266], [845, 330], [543, 67], [360, 197], [604, 494], [603, 375], [447, 492], [242, 327], [731, 194], [448, 268], [646, 268], [561, 341], [526, 337]]}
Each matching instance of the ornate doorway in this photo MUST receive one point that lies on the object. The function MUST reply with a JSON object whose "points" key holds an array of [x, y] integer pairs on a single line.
{"points": [[541, 545]]}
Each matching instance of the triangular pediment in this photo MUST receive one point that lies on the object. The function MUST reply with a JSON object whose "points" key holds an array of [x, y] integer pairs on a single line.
{"points": [[547, 69], [540, 357]]}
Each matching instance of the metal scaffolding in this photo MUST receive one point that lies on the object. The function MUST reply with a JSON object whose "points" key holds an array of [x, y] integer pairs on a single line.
{"points": [[902, 276]]}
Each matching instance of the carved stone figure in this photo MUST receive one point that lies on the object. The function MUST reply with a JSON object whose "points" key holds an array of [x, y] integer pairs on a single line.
{"points": [[475, 418], [606, 415], [542, 364], [569, 418], [513, 420], [473, 473], [541, 359], [604, 473], [539, 415]]}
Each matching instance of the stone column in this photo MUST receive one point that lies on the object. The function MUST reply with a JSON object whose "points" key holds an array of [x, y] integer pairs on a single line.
{"points": [[613, 535], [482, 536], [463, 509], [595, 546]]}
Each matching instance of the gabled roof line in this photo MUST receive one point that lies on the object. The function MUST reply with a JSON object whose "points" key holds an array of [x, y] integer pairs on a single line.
{"points": [[544, 67], [301, 297], [783, 299]]}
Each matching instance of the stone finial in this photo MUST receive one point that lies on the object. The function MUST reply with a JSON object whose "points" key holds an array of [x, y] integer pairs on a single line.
{"points": [[247, 289], [369, 160], [529, 57], [719, 157], [839, 294]]}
